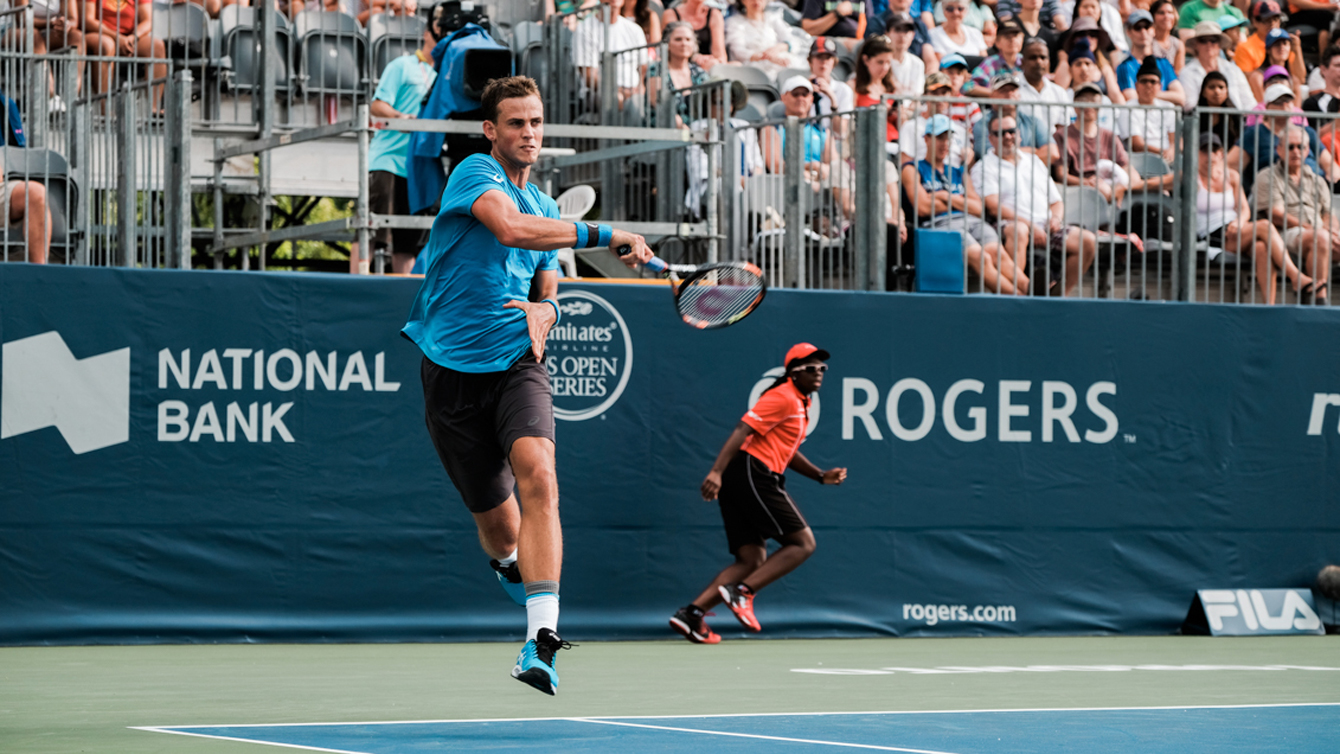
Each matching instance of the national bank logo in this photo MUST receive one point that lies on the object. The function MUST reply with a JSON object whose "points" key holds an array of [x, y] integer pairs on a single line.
{"points": [[44, 385], [589, 356]]}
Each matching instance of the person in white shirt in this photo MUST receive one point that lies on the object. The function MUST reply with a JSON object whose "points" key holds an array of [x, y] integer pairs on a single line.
{"points": [[956, 36], [1209, 57], [908, 69], [1038, 88], [1016, 187], [588, 43], [830, 95], [761, 39], [748, 162], [1150, 130]]}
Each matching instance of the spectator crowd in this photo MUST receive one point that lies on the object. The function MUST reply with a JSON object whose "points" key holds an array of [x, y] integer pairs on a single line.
{"points": [[1031, 102], [1067, 94]]}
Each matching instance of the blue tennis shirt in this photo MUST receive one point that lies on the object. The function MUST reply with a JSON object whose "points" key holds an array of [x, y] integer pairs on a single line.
{"points": [[457, 318]]}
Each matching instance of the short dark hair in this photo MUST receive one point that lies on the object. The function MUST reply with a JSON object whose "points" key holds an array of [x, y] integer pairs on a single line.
{"points": [[511, 87], [995, 116], [1328, 54]]}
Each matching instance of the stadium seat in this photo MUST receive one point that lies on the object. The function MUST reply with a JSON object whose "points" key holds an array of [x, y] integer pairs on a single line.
{"points": [[750, 113], [333, 52], [1087, 208], [776, 111], [185, 30], [527, 34], [389, 37], [51, 169], [573, 205], [240, 45], [1149, 165], [528, 46], [763, 195], [939, 261], [762, 89], [745, 74]]}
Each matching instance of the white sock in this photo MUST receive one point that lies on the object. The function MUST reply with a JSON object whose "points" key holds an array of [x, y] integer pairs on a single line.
{"points": [[541, 612], [510, 559]]}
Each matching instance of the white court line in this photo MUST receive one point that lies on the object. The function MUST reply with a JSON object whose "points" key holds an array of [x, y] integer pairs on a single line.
{"points": [[965, 669], [756, 736], [245, 740], [169, 728]]}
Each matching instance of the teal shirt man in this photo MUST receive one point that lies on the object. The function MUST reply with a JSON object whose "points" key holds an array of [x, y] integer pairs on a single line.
{"points": [[403, 86], [1196, 11]]}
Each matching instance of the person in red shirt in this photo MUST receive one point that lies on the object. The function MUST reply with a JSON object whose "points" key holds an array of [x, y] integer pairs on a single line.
{"points": [[123, 28], [747, 481]]}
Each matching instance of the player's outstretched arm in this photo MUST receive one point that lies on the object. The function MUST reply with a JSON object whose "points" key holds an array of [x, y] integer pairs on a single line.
{"points": [[522, 231], [712, 484], [519, 230], [803, 466]]}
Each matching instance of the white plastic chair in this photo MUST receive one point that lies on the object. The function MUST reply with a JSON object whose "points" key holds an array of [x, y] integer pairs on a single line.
{"points": [[573, 205]]}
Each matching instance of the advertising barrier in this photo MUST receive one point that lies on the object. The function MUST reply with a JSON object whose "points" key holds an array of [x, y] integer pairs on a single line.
{"points": [[202, 456]]}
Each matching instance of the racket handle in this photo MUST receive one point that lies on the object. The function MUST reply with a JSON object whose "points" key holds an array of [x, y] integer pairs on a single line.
{"points": [[655, 264]]}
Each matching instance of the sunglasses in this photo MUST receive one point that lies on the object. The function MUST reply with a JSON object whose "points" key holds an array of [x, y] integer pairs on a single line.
{"points": [[811, 369], [1297, 147], [1149, 80], [1005, 131]]}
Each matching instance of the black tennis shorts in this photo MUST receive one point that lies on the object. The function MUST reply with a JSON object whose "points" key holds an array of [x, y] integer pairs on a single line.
{"points": [[754, 504], [473, 419]]}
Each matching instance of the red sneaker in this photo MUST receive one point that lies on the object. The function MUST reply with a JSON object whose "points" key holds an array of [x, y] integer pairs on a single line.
{"points": [[691, 626], [740, 599]]}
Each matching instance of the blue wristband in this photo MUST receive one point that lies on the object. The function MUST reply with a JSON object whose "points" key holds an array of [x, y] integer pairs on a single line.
{"points": [[582, 236], [557, 313], [606, 233]]}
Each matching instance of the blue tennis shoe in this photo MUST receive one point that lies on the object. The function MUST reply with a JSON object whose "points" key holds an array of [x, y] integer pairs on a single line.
{"points": [[510, 578], [535, 664]]}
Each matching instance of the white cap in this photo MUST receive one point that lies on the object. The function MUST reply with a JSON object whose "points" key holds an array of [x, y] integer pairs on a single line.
{"points": [[797, 82], [1275, 91]]}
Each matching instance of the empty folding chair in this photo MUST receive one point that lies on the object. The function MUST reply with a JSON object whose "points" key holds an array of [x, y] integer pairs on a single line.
{"points": [[389, 37], [333, 52], [240, 48]]}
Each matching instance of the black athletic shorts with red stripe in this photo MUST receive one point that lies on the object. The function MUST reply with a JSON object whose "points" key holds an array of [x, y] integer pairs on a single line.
{"points": [[754, 504]]}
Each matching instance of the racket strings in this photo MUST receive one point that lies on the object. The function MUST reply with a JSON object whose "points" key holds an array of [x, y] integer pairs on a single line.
{"points": [[719, 297]]}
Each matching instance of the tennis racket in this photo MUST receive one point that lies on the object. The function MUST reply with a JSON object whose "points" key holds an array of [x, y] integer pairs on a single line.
{"points": [[710, 296]]}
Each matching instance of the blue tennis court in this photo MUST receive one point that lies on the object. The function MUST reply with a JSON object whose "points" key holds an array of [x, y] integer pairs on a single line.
{"points": [[1299, 729]]}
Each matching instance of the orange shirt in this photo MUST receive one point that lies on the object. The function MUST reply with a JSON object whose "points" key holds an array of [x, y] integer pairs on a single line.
{"points": [[780, 418], [120, 13], [865, 100], [1251, 53]]}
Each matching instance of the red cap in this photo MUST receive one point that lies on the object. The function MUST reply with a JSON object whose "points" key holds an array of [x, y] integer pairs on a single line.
{"points": [[1266, 9], [803, 351]]}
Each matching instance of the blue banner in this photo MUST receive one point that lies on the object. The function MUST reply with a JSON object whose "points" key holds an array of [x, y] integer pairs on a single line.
{"points": [[202, 456]]}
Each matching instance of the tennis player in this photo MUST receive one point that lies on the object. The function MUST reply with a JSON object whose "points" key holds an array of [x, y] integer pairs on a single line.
{"points": [[486, 391], [747, 481]]}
